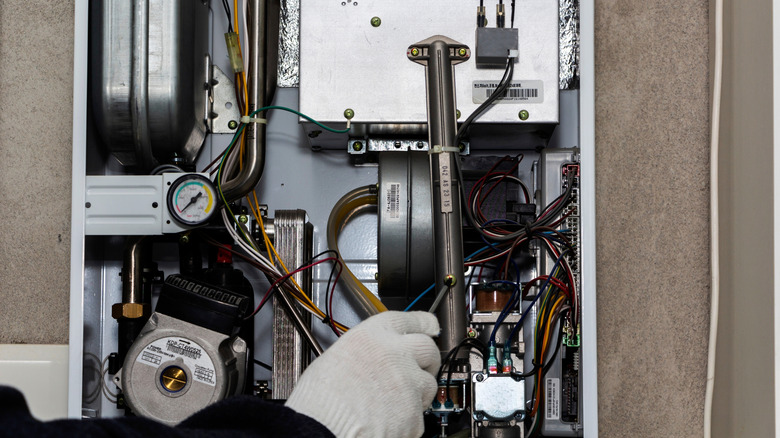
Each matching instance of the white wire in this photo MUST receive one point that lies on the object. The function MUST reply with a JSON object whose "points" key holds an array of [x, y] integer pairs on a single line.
{"points": [[714, 218], [245, 37]]}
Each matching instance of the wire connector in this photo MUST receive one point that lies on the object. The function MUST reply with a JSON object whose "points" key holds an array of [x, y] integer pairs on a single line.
{"points": [[492, 362], [481, 19], [500, 15], [247, 119], [234, 52], [506, 363]]}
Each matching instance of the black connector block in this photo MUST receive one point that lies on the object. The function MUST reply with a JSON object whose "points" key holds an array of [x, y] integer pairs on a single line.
{"points": [[494, 46]]}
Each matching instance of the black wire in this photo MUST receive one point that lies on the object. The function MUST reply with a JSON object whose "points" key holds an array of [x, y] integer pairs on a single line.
{"points": [[226, 5], [262, 364], [327, 291], [499, 92], [512, 20]]}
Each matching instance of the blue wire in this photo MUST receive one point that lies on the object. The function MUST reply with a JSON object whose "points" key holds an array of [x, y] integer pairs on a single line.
{"points": [[507, 308], [434, 285], [430, 288]]}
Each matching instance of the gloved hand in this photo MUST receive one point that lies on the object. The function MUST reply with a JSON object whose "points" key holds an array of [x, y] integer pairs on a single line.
{"points": [[376, 380]]}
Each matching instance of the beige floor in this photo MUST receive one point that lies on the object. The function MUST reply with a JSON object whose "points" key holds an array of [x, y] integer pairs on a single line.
{"points": [[652, 200]]}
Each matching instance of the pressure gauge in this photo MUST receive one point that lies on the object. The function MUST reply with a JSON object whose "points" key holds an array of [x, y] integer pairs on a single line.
{"points": [[192, 199]]}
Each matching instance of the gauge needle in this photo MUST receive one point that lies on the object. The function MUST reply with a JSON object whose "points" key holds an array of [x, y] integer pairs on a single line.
{"points": [[193, 200]]}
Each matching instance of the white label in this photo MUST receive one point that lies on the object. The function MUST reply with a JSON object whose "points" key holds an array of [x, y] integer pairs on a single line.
{"points": [[393, 201], [518, 91], [165, 350], [553, 398], [445, 188]]}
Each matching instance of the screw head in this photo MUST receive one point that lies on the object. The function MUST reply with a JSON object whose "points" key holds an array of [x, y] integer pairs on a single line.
{"points": [[243, 219], [376, 21], [357, 146], [184, 239], [523, 114], [462, 51], [415, 51], [471, 333], [457, 114], [232, 124], [349, 113], [376, 276], [420, 145], [461, 147], [450, 280], [480, 377]]}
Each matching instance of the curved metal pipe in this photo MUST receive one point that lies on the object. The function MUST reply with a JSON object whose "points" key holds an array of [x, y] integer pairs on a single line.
{"points": [[250, 175]]}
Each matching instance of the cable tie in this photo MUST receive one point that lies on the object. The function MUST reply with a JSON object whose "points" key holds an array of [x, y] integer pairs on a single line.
{"points": [[437, 149], [528, 230], [247, 119]]}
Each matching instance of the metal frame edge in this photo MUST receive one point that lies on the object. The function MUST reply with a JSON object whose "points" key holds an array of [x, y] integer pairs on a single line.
{"points": [[588, 206], [76, 331]]}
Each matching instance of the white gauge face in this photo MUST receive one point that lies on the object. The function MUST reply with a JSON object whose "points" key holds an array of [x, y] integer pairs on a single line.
{"points": [[192, 200]]}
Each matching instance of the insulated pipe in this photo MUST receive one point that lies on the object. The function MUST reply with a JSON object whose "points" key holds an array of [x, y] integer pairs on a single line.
{"points": [[249, 176], [439, 54]]}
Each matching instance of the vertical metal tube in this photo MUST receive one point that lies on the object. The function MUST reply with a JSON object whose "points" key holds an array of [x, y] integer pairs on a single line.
{"points": [[139, 92], [250, 175], [447, 219]]}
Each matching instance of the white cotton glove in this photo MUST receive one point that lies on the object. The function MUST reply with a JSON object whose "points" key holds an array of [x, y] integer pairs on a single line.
{"points": [[376, 380]]}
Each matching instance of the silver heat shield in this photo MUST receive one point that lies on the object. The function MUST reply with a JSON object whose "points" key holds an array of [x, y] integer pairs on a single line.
{"points": [[289, 46], [569, 29]]}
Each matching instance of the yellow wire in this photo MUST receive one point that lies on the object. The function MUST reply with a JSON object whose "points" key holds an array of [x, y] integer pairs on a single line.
{"points": [[306, 301]]}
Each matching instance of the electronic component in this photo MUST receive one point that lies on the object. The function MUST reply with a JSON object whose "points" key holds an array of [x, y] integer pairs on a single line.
{"points": [[494, 46]]}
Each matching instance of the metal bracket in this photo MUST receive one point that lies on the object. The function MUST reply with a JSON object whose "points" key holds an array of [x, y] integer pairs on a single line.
{"points": [[223, 108], [357, 146]]}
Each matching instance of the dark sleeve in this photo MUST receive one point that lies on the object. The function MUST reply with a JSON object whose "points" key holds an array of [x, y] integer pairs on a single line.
{"points": [[241, 416]]}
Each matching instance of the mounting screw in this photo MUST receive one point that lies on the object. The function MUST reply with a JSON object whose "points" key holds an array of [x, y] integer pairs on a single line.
{"points": [[480, 378], [232, 124], [415, 51], [457, 114], [523, 114], [462, 51], [357, 146], [376, 21], [88, 204], [461, 147], [243, 219], [376, 276], [349, 113], [471, 333], [184, 239], [450, 281], [420, 145]]}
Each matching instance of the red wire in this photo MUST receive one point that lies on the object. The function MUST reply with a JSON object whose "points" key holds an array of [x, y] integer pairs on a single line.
{"points": [[282, 279]]}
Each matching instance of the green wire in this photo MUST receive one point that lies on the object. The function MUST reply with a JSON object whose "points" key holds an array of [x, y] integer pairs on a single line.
{"points": [[236, 137]]}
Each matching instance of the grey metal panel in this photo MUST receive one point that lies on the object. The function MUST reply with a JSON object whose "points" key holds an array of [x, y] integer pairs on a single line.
{"points": [[348, 63], [292, 236], [148, 74]]}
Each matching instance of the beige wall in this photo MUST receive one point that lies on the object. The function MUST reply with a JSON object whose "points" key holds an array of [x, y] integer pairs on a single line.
{"points": [[652, 200], [744, 397]]}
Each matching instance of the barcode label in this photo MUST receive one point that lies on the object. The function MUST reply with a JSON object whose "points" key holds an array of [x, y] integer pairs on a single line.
{"points": [[393, 201], [553, 398], [518, 91]]}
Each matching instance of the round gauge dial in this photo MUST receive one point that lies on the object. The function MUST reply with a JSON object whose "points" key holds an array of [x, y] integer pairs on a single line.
{"points": [[192, 200]]}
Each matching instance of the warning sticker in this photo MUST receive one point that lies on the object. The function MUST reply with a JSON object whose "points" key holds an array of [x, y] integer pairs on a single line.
{"points": [[553, 398], [165, 350], [518, 92]]}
